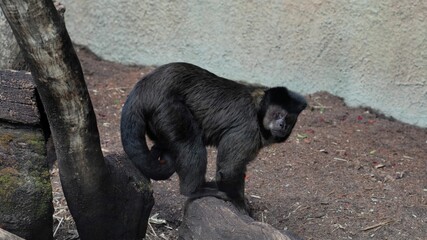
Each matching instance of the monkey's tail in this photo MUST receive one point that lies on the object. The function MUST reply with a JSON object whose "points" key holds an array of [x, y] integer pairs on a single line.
{"points": [[132, 129]]}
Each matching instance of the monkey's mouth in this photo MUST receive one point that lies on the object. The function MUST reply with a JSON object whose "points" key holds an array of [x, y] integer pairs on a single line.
{"points": [[282, 133]]}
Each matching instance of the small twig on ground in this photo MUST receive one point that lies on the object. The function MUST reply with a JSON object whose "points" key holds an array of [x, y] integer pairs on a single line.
{"points": [[120, 89], [155, 220], [290, 213], [255, 196], [152, 229], [340, 159], [377, 226], [338, 226], [57, 227], [321, 107]]}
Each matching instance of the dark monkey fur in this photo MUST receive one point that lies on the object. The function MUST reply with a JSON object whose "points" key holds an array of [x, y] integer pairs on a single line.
{"points": [[184, 108]]}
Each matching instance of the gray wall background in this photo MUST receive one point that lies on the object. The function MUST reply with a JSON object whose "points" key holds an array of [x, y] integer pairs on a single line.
{"points": [[371, 53]]}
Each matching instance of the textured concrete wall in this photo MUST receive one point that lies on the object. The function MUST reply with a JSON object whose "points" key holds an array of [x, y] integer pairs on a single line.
{"points": [[372, 53]]}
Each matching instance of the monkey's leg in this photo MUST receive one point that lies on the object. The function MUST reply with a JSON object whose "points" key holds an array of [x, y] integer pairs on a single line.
{"points": [[191, 166], [177, 130], [233, 184], [231, 168]]}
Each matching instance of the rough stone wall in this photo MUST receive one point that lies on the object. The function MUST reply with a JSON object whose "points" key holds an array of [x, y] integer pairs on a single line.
{"points": [[371, 53]]}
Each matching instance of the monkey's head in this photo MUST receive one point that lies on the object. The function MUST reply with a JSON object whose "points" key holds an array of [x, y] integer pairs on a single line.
{"points": [[278, 113]]}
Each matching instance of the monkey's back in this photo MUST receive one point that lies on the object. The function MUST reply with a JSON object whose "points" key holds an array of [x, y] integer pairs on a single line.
{"points": [[220, 106]]}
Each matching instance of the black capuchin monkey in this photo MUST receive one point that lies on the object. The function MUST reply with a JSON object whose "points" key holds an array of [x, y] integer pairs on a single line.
{"points": [[183, 108]]}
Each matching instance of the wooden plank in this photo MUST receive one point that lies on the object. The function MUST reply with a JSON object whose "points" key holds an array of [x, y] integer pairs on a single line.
{"points": [[18, 103]]}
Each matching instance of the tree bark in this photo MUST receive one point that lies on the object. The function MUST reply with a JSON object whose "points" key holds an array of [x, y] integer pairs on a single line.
{"points": [[108, 199], [18, 98], [211, 218]]}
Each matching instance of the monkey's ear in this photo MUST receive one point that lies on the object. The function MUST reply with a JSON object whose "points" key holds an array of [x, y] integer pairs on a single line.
{"points": [[257, 96], [299, 101]]}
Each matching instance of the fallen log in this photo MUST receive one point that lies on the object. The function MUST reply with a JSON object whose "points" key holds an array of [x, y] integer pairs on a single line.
{"points": [[25, 191], [211, 218]]}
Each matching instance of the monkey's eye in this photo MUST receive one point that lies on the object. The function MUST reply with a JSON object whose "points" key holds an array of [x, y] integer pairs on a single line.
{"points": [[278, 115]]}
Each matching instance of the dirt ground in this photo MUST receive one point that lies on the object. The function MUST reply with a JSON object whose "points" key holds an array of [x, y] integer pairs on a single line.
{"points": [[345, 173]]}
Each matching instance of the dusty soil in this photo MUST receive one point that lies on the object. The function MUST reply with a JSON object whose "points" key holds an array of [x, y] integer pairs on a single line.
{"points": [[345, 173]]}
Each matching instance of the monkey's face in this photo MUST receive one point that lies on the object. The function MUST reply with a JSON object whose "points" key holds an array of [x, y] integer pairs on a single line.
{"points": [[279, 122]]}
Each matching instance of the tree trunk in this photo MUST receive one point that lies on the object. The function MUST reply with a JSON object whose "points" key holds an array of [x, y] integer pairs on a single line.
{"points": [[108, 199], [211, 218]]}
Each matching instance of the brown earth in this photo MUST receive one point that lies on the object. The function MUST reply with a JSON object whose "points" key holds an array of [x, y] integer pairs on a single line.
{"points": [[345, 173]]}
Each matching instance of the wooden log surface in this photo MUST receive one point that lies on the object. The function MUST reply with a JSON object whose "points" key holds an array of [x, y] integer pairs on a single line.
{"points": [[18, 103], [211, 218], [5, 235]]}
